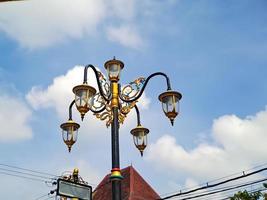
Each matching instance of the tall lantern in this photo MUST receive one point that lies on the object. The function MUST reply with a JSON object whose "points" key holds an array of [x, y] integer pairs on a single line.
{"points": [[69, 133], [170, 103], [140, 138], [113, 68], [83, 94]]}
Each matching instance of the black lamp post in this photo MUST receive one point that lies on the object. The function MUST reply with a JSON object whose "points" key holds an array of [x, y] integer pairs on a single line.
{"points": [[112, 104]]}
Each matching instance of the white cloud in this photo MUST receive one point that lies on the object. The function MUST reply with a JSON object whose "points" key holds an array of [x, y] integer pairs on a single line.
{"points": [[43, 23], [239, 144], [191, 183], [143, 102], [40, 23], [14, 119], [59, 94], [123, 9], [125, 35]]}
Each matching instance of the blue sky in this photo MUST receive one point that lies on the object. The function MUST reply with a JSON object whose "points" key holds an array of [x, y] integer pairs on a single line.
{"points": [[213, 51]]}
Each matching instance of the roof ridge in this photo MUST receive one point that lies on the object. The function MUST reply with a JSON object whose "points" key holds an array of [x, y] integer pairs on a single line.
{"points": [[134, 186], [145, 182]]}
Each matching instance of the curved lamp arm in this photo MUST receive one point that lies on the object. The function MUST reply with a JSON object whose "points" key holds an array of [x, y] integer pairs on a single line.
{"points": [[97, 79], [70, 109], [99, 111], [138, 115], [145, 84]]}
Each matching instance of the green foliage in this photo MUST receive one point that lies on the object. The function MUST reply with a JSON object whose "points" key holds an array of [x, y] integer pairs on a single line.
{"points": [[244, 195]]}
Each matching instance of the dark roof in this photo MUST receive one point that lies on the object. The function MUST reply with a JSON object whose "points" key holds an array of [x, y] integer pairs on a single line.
{"points": [[133, 186]]}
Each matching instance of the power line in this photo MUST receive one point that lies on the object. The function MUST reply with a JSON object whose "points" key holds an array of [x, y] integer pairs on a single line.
{"points": [[223, 190], [216, 184], [49, 197], [243, 185], [50, 193], [254, 191], [34, 179], [38, 198], [30, 170], [250, 183], [29, 174], [234, 174], [217, 179], [230, 192]]}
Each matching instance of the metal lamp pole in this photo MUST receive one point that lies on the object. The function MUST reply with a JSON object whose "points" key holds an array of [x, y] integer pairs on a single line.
{"points": [[112, 104], [115, 150]]}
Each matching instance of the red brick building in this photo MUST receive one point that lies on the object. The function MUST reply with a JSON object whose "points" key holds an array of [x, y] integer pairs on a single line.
{"points": [[134, 187]]}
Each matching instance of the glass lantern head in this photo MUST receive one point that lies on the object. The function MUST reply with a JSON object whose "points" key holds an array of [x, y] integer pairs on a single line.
{"points": [[83, 94], [140, 138], [170, 103], [113, 68], [69, 133]]}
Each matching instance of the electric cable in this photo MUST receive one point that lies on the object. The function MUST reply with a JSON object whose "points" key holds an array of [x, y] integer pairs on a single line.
{"points": [[248, 184], [33, 179], [49, 197], [217, 179], [232, 192], [30, 170], [257, 190], [29, 174], [216, 184], [41, 197], [219, 191]]}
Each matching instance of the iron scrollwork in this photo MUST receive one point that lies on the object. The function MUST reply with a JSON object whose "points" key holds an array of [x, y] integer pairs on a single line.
{"points": [[104, 84], [132, 90], [102, 109]]}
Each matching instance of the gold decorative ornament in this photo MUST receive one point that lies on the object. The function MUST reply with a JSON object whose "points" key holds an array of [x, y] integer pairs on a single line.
{"points": [[115, 95], [131, 90]]}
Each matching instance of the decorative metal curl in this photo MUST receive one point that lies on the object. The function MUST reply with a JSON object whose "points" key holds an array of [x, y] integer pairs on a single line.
{"points": [[69, 176], [97, 79], [131, 90], [105, 115], [97, 103], [104, 84], [124, 110]]}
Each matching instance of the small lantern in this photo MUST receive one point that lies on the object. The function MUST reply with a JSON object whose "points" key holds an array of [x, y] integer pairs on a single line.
{"points": [[140, 138], [83, 94], [114, 67], [69, 133], [170, 104]]}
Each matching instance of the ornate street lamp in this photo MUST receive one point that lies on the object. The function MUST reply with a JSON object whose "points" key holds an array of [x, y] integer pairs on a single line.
{"points": [[139, 134], [83, 94], [70, 130], [170, 104], [112, 103], [113, 68]]}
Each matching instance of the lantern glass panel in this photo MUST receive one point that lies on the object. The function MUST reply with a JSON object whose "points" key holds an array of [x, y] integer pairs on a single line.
{"points": [[114, 70], [82, 97], [140, 139], [170, 104], [70, 134]]}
